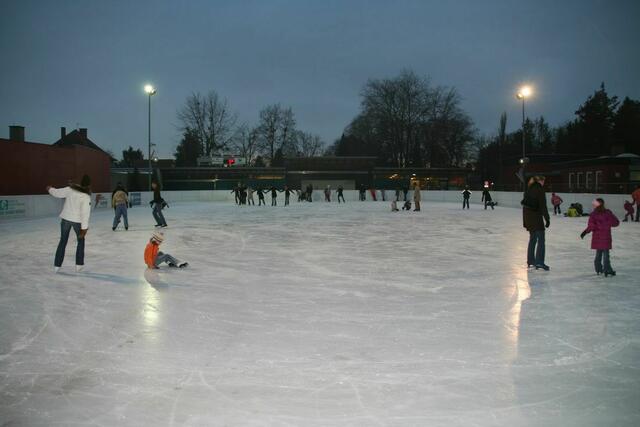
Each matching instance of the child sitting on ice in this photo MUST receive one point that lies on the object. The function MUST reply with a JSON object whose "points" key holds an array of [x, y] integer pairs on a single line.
{"points": [[407, 206], [153, 257], [394, 206], [628, 207]]}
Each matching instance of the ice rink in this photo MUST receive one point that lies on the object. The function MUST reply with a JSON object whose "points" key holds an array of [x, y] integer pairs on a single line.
{"points": [[319, 315]]}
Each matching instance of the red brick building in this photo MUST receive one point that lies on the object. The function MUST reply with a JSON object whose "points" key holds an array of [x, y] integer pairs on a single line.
{"points": [[28, 167]]}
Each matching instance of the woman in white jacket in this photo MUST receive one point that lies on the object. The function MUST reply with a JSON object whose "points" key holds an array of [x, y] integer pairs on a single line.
{"points": [[75, 214]]}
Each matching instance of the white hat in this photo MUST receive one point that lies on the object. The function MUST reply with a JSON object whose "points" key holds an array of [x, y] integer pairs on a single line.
{"points": [[158, 236]]}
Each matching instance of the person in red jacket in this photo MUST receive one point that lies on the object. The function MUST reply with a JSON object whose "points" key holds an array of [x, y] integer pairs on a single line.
{"points": [[600, 222], [636, 199], [556, 201], [153, 257]]}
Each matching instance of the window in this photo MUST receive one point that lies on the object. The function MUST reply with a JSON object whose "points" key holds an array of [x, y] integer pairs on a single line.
{"points": [[579, 180], [571, 179], [598, 181], [589, 180]]}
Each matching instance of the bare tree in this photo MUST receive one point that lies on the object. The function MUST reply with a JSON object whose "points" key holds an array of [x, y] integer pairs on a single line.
{"points": [[270, 118], [246, 142], [211, 118], [309, 145]]}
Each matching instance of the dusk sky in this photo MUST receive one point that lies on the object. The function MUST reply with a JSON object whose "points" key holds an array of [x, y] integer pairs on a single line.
{"points": [[70, 63]]}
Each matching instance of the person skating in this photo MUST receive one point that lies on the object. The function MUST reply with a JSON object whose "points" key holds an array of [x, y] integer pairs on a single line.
{"points": [[236, 193], [260, 193], [466, 194], [416, 196], [363, 192], [486, 198], [243, 195], [310, 193], [600, 222], [340, 194], [250, 192], [327, 193], [397, 194], [153, 257], [120, 202], [405, 191], [119, 186], [75, 215], [556, 201], [158, 204], [628, 207], [406, 206], [287, 194], [274, 196], [535, 218], [636, 199]]}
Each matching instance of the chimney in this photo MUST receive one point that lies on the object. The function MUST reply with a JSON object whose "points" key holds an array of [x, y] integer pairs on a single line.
{"points": [[16, 133], [83, 132], [63, 132]]}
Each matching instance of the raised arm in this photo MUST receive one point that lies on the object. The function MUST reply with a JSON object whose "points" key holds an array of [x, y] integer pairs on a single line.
{"points": [[60, 193]]}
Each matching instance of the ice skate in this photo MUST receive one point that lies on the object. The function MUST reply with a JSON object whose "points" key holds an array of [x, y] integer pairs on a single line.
{"points": [[56, 269], [185, 264], [543, 267], [79, 268], [609, 273]]}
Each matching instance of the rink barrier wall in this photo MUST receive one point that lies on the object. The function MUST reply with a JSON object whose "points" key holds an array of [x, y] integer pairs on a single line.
{"points": [[34, 206]]}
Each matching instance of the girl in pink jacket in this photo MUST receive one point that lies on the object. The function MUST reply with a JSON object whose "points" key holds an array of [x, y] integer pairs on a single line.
{"points": [[600, 222]]}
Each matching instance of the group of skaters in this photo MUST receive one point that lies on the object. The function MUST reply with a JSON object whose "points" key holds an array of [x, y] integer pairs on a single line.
{"points": [[243, 194], [486, 198], [536, 219]]}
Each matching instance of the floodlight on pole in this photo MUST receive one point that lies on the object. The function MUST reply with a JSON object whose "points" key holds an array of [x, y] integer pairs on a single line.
{"points": [[523, 93], [149, 90]]}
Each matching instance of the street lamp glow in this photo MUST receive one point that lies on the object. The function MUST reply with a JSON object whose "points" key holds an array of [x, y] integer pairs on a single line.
{"points": [[524, 92], [150, 90]]}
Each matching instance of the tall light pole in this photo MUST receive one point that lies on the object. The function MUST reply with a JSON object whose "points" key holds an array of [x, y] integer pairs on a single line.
{"points": [[523, 93], [150, 91]]}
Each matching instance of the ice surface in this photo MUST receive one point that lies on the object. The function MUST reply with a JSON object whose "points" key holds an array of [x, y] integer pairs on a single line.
{"points": [[319, 315]]}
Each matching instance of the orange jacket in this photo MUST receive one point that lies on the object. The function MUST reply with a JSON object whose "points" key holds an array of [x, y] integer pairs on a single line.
{"points": [[636, 196], [150, 253]]}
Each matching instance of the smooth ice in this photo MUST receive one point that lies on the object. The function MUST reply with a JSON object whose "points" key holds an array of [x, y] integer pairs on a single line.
{"points": [[319, 315]]}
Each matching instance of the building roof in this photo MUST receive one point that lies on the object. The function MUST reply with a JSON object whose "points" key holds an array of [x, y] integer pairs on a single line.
{"points": [[77, 137]]}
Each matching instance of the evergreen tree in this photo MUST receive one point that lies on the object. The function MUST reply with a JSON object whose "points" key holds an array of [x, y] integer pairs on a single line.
{"points": [[189, 149]]}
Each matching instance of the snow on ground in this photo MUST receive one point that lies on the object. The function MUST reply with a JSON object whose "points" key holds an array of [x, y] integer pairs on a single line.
{"points": [[319, 315]]}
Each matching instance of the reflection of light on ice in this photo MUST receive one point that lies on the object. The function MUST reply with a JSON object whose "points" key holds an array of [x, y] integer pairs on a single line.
{"points": [[521, 292], [150, 301]]}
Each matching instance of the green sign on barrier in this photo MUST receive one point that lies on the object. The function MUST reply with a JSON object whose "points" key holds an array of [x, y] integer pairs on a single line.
{"points": [[12, 208]]}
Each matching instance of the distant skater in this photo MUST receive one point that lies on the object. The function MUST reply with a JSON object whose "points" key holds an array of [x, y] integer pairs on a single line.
{"points": [[250, 192], [340, 195], [287, 194], [416, 197], [120, 202], [628, 207], [260, 193], [310, 193], [158, 204], [394, 206], [600, 222], [327, 193], [405, 191], [75, 214], [466, 194], [556, 201], [397, 194], [636, 199], [274, 196], [363, 192], [486, 198], [236, 193]]}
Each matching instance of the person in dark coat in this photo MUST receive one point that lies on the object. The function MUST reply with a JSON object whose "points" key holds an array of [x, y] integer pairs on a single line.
{"points": [[535, 218], [287, 193], [600, 222], [465, 197], [340, 195], [260, 193], [158, 204], [274, 196], [486, 198]]}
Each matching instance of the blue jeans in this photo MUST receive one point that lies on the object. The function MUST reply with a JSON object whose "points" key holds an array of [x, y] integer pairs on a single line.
{"points": [[157, 214], [121, 211], [162, 257], [535, 255], [65, 229], [602, 256]]}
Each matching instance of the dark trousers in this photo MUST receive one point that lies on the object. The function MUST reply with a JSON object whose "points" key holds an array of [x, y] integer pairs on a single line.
{"points": [[261, 201], [637, 212], [286, 200], [465, 202], [556, 209], [157, 214], [274, 201], [488, 203], [65, 229], [341, 196], [535, 250], [602, 257]]}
